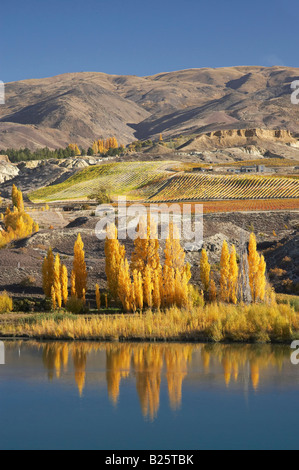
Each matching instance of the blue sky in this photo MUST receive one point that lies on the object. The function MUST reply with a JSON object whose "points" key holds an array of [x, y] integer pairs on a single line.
{"points": [[44, 38]]}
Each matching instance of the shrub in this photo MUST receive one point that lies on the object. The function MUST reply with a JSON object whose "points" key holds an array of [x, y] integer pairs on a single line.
{"points": [[75, 306], [28, 281], [6, 304], [101, 196], [24, 305]]}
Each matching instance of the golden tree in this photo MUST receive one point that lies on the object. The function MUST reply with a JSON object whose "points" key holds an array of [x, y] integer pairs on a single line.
{"points": [[64, 284], [261, 279], [98, 297], [212, 291], [14, 195], [73, 285], [53, 298], [79, 267], [57, 283], [146, 246], [157, 288], [168, 298], [48, 273], [115, 255], [138, 289], [174, 253], [95, 147], [148, 286], [205, 270], [125, 286], [253, 261], [224, 273]]}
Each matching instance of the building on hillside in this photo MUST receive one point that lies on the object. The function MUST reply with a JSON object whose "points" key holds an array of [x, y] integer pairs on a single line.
{"points": [[253, 169]]}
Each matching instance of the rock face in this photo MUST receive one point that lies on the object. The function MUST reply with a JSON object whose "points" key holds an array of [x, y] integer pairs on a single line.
{"points": [[247, 138], [7, 171]]}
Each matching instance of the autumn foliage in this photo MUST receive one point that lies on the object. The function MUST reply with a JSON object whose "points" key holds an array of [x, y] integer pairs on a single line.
{"points": [[18, 224], [103, 146], [145, 282]]}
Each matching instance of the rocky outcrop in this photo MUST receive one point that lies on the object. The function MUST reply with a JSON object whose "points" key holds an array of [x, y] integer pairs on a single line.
{"points": [[239, 138], [7, 171]]}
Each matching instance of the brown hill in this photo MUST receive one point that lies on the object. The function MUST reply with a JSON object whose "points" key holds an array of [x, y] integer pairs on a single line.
{"points": [[83, 106]]}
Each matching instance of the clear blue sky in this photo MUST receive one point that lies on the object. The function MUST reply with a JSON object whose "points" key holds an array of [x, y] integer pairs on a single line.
{"points": [[44, 38]]}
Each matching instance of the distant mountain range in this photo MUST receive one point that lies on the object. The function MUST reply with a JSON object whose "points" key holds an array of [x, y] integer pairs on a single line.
{"points": [[80, 107]]}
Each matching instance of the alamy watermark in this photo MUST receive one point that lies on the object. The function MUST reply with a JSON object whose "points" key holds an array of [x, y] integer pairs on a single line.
{"points": [[130, 220], [2, 93], [295, 354], [2, 353], [295, 94]]}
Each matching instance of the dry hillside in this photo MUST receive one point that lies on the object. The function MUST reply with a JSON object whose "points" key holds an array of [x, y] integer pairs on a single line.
{"points": [[80, 107]]}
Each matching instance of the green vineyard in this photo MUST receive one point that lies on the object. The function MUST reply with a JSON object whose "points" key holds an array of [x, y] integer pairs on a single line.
{"points": [[134, 179], [189, 187], [160, 182]]}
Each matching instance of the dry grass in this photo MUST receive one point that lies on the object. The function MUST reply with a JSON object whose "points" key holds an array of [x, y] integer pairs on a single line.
{"points": [[213, 322]]}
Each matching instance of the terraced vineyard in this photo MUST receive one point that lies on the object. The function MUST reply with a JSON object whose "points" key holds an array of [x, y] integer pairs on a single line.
{"points": [[134, 179], [189, 187]]}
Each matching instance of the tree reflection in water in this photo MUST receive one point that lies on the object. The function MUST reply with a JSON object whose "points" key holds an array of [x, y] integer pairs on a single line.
{"points": [[148, 364]]}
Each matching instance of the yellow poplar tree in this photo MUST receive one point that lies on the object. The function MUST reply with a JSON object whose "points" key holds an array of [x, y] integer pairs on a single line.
{"points": [[79, 267], [98, 297], [115, 255], [95, 147], [212, 291], [261, 279], [125, 286], [157, 289], [224, 273], [205, 270], [73, 285], [168, 286], [64, 284], [138, 289], [146, 246], [53, 298], [57, 283], [14, 195], [174, 253], [48, 273], [253, 261], [148, 286]]}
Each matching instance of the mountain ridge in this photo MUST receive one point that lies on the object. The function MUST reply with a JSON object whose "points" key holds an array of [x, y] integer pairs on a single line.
{"points": [[82, 106]]}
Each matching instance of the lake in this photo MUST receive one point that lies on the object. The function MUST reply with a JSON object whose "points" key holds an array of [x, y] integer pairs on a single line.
{"points": [[56, 395]]}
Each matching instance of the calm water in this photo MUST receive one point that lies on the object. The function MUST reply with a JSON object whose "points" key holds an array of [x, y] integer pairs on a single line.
{"points": [[145, 396]]}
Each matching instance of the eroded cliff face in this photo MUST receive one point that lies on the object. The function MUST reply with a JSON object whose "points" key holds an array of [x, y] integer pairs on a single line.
{"points": [[7, 170], [239, 138]]}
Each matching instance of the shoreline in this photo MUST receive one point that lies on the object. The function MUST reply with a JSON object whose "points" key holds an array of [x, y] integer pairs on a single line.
{"points": [[136, 340]]}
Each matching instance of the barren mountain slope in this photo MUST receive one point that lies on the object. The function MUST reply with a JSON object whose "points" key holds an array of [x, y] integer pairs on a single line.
{"points": [[83, 106]]}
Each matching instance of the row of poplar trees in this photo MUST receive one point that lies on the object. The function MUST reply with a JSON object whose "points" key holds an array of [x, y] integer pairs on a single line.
{"points": [[242, 280], [102, 146], [55, 276], [145, 282]]}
